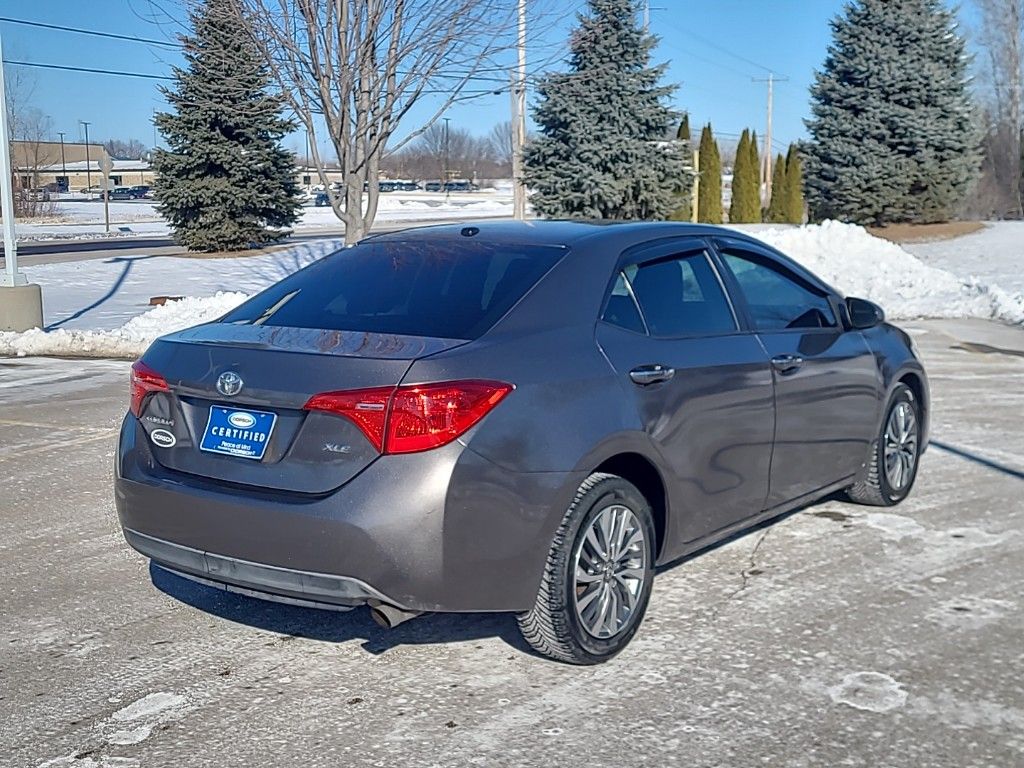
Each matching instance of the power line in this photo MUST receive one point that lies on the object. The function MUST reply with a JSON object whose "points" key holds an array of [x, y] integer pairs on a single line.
{"points": [[90, 70], [93, 32]]}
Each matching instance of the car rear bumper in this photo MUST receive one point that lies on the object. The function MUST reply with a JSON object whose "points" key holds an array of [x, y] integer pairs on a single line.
{"points": [[444, 530]]}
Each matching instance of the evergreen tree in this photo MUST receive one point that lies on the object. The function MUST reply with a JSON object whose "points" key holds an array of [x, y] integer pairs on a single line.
{"points": [[794, 206], [225, 183], [709, 191], [891, 133], [777, 211], [683, 134], [602, 151], [684, 206], [745, 207]]}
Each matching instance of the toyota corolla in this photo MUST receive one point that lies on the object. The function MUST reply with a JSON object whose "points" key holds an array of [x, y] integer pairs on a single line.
{"points": [[523, 417]]}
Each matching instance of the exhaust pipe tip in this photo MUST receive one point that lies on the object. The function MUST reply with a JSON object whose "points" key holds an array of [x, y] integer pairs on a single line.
{"points": [[388, 617]]}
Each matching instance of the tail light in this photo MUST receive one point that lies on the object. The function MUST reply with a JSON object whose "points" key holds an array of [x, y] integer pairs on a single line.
{"points": [[144, 380], [416, 417]]}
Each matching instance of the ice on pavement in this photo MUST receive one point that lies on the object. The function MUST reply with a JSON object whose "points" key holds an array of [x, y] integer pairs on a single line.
{"points": [[869, 691], [99, 308]]}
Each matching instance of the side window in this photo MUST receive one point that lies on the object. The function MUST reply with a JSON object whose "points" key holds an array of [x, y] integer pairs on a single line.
{"points": [[621, 308], [776, 300], [682, 297]]}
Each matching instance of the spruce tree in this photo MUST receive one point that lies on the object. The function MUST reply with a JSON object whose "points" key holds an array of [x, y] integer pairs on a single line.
{"points": [[755, 163], [745, 207], [684, 205], [794, 187], [891, 133], [777, 211], [601, 152], [709, 191], [224, 183]]}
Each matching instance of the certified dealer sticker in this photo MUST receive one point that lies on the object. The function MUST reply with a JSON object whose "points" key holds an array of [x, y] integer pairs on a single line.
{"points": [[163, 438]]}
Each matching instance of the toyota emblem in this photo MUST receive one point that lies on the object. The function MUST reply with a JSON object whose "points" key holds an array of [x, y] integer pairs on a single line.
{"points": [[229, 383]]}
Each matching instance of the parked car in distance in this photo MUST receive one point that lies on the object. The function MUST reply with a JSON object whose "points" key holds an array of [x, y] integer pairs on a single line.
{"points": [[460, 186], [95, 189], [39, 195], [432, 186], [507, 416], [409, 186], [119, 193], [321, 199], [140, 191]]}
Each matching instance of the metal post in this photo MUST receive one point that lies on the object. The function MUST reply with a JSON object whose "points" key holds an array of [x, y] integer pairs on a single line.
{"points": [[519, 121], [88, 160], [63, 164], [11, 276]]}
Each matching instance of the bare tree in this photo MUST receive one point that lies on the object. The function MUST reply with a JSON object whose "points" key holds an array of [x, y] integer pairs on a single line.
{"points": [[1000, 86], [120, 149], [31, 132], [355, 68], [499, 142]]}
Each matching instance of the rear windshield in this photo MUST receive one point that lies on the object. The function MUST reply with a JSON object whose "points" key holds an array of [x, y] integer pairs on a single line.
{"points": [[446, 289]]}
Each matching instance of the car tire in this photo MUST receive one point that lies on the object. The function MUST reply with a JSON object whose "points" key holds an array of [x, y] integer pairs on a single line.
{"points": [[882, 486], [593, 625]]}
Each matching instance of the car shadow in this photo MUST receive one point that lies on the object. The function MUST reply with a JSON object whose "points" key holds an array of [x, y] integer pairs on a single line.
{"points": [[338, 627]]}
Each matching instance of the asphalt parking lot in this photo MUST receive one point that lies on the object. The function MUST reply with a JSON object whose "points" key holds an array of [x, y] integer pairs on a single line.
{"points": [[841, 636]]}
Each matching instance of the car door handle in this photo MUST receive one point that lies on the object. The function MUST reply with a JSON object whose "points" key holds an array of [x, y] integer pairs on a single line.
{"points": [[646, 375], [786, 363]]}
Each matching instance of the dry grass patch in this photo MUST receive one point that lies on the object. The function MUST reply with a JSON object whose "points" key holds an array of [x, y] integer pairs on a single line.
{"points": [[924, 233]]}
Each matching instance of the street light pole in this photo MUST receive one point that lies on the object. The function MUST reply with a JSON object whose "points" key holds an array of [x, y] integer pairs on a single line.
{"points": [[63, 164], [88, 160], [21, 302]]}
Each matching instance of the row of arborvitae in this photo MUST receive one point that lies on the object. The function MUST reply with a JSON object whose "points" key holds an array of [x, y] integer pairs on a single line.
{"points": [[787, 202]]}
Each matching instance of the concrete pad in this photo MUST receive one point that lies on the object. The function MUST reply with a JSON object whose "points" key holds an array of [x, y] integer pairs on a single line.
{"points": [[21, 307]]}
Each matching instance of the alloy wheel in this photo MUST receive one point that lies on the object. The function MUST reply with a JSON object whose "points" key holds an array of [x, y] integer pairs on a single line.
{"points": [[610, 566], [900, 446]]}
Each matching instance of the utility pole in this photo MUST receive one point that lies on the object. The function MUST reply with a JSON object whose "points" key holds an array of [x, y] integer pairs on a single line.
{"points": [[21, 302], [766, 156], [519, 121], [447, 160], [88, 161], [63, 163]]}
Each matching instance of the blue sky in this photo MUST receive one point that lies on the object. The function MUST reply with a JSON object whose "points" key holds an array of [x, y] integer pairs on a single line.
{"points": [[714, 50]]}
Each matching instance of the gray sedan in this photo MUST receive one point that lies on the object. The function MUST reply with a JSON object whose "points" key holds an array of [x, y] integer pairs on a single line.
{"points": [[525, 417]]}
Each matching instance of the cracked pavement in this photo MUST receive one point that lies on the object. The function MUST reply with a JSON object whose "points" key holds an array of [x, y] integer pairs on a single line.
{"points": [[841, 635]]}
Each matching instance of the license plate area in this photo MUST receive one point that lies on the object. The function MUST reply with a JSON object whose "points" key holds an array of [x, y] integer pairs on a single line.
{"points": [[240, 432]]}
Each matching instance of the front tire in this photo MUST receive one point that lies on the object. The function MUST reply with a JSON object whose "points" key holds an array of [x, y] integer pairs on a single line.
{"points": [[895, 454], [598, 576]]}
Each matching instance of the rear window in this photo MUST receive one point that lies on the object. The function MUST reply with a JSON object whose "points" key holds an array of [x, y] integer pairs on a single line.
{"points": [[446, 289]]}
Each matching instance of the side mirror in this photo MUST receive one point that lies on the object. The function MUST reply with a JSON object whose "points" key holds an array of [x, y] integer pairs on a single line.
{"points": [[864, 314]]}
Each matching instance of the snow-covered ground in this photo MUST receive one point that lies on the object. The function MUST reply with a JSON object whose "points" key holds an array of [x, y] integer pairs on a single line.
{"points": [[78, 219], [101, 308], [993, 255]]}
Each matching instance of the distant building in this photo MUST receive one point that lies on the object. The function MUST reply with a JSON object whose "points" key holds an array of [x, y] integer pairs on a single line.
{"points": [[42, 163]]}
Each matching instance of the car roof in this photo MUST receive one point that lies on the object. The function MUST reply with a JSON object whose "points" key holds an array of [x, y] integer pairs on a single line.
{"points": [[620, 235], [564, 233]]}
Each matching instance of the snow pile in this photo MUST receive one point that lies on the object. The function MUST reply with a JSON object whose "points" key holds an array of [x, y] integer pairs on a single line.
{"points": [[844, 255], [861, 265], [128, 341]]}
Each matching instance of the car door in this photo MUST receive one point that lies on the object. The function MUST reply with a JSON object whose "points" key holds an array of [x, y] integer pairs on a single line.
{"points": [[702, 386], [826, 379]]}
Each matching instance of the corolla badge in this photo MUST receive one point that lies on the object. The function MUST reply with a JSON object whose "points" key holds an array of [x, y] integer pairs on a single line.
{"points": [[229, 383], [163, 438], [241, 420]]}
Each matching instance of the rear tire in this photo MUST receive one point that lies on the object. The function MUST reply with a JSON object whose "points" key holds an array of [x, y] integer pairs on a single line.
{"points": [[887, 484], [598, 576]]}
